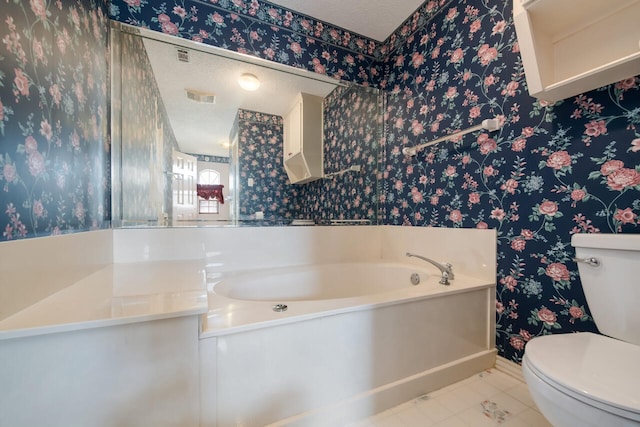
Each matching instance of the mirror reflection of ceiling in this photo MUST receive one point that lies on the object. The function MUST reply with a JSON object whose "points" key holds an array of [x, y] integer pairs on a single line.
{"points": [[202, 128], [358, 15]]}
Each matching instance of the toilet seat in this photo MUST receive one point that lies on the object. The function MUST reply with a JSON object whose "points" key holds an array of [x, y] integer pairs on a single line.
{"points": [[599, 371]]}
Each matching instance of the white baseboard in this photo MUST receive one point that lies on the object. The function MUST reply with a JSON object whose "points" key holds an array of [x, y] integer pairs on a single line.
{"points": [[382, 398], [510, 368]]}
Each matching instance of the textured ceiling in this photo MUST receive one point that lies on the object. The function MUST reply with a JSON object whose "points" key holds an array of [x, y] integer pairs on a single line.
{"points": [[202, 128], [376, 19]]}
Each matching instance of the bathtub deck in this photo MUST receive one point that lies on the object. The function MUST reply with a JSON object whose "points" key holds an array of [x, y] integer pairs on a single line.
{"points": [[117, 294], [229, 316]]}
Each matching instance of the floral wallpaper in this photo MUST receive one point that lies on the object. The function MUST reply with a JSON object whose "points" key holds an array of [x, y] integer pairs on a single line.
{"points": [[54, 146], [147, 140], [259, 158], [210, 159], [352, 130], [550, 172], [262, 29]]}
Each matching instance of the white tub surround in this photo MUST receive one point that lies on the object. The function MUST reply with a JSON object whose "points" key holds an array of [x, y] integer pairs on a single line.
{"points": [[338, 355], [119, 344], [114, 295], [137, 374], [244, 301], [337, 368], [104, 344], [33, 269], [249, 248]]}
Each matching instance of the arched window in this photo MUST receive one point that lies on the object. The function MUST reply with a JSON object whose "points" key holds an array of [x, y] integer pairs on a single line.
{"points": [[208, 177]]}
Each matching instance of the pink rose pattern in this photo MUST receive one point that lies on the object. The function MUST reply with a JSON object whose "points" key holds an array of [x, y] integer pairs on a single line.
{"points": [[260, 158], [271, 32], [444, 69], [54, 151], [353, 195], [550, 172], [537, 181]]}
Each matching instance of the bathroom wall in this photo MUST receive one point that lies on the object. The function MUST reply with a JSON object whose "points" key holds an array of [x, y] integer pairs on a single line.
{"points": [[147, 140], [552, 171], [261, 29], [349, 196], [54, 145], [352, 132], [260, 159]]}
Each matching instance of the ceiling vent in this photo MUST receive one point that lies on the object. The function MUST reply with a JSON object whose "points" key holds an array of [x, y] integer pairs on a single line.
{"points": [[201, 97], [183, 55]]}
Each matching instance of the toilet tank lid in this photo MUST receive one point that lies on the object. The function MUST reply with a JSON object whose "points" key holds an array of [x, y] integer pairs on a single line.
{"points": [[625, 242]]}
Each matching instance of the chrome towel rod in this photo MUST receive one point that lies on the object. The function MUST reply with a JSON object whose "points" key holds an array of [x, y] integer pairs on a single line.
{"points": [[490, 125], [355, 168]]}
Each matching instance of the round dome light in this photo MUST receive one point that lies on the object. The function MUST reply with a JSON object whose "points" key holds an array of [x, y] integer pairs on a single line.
{"points": [[248, 81]]}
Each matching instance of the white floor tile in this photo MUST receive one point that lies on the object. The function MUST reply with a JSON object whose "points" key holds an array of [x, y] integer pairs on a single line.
{"points": [[484, 388], [534, 418], [414, 417], [390, 421], [514, 422], [460, 399], [499, 380], [521, 392], [434, 410], [364, 423], [505, 402], [476, 417], [454, 421], [488, 399], [384, 414]]}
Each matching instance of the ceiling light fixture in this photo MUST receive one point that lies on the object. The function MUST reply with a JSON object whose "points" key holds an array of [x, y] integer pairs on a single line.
{"points": [[248, 81]]}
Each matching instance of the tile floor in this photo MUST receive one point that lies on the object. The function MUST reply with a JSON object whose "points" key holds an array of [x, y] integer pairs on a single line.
{"points": [[491, 398]]}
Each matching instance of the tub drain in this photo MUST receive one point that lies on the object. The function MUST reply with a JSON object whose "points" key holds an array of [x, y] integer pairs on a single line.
{"points": [[280, 307], [415, 279]]}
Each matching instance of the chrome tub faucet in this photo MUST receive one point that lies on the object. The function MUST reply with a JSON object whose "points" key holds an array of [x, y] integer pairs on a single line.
{"points": [[445, 270]]}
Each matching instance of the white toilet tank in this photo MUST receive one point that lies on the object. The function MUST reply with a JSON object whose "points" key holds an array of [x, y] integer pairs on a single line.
{"points": [[612, 288]]}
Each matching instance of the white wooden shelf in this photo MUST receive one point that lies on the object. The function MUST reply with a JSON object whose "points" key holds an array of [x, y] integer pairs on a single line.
{"points": [[573, 46], [303, 140]]}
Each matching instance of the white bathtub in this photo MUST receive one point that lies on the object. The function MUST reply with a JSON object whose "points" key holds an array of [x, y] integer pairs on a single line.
{"points": [[323, 282], [356, 338]]}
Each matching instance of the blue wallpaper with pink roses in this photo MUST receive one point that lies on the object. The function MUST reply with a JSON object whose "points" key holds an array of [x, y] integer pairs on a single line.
{"points": [[54, 149], [259, 158], [261, 29], [352, 129], [550, 172]]}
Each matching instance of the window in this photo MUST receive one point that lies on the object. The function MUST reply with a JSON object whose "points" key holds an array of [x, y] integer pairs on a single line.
{"points": [[208, 177]]}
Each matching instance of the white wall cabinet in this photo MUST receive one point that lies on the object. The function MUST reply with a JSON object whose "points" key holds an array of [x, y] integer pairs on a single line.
{"points": [[303, 156], [572, 46]]}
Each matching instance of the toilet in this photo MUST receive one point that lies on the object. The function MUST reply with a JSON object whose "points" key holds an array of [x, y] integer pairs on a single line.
{"points": [[586, 379]]}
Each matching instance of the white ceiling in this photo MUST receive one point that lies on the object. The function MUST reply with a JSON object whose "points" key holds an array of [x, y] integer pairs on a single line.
{"points": [[376, 19], [203, 128]]}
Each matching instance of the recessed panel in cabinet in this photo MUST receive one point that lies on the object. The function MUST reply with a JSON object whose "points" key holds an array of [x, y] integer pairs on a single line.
{"points": [[573, 46]]}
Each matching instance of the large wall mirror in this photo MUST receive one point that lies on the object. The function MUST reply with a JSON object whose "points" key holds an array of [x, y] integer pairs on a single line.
{"points": [[191, 147]]}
